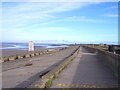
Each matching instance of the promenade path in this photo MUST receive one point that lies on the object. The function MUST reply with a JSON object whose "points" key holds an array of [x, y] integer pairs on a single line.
{"points": [[15, 74], [86, 71]]}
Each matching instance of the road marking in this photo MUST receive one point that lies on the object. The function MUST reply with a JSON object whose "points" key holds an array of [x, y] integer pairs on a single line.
{"points": [[81, 86], [89, 53], [59, 84]]}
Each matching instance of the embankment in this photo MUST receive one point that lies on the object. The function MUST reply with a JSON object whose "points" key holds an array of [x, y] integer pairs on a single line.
{"points": [[46, 80]]}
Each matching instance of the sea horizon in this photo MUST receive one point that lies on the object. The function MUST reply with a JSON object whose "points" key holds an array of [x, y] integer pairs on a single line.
{"points": [[24, 45]]}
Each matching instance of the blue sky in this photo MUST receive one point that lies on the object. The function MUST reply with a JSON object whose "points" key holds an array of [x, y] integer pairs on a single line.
{"points": [[93, 22]]}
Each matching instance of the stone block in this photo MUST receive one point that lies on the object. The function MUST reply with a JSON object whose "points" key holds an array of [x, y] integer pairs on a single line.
{"points": [[20, 56], [32, 54], [12, 58], [27, 55], [41, 53], [37, 54], [5, 59]]}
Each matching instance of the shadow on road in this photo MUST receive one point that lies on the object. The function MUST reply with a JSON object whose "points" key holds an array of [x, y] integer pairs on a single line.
{"points": [[91, 71]]}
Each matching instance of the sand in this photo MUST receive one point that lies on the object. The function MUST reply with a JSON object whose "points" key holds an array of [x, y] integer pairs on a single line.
{"points": [[9, 52]]}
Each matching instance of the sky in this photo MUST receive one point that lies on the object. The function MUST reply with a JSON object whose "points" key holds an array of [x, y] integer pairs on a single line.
{"points": [[77, 22]]}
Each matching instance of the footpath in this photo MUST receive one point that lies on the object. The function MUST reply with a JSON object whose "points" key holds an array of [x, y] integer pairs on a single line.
{"points": [[86, 71]]}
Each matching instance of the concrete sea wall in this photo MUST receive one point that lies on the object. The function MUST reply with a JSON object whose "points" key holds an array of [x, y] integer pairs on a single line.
{"points": [[30, 54], [107, 58], [46, 80]]}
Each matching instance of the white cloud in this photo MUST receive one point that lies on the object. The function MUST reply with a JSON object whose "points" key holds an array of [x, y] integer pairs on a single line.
{"points": [[60, 0], [114, 7], [78, 19], [22, 22], [41, 13], [25, 13], [45, 33], [84, 19], [111, 15]]}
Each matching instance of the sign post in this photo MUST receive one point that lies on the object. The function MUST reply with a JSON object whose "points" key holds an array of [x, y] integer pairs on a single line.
{"points": [[31, 46]]}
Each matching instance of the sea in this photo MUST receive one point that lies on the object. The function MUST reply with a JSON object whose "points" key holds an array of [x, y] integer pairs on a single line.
{"points": [[24, 46]]}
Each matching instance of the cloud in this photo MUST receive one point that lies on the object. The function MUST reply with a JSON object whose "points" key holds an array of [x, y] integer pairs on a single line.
{"points": [[77, 19], [114, 7], [46, 33], [111, 15], [60, 0], [31, 21], [69, 19], [84, 19], [28, 13]]}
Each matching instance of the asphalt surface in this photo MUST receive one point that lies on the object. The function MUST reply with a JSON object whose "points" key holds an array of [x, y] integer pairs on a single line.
{"points": [[86, 71], [23, 72]]}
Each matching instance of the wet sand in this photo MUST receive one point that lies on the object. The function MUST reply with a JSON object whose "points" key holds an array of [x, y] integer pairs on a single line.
{"points": [[10, 52]]}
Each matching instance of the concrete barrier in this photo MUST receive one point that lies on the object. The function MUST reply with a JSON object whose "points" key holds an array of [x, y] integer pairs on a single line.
{"points": [[20, 56], [36, 54], [107, 58], [46, 80], [5, 59], [27, 55], [32, 54], [40, 53], [1, 60], [12, 58]]}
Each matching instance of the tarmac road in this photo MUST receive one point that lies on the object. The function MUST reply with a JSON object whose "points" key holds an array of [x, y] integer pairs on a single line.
{"points": [[16, 74], [86, 71]]}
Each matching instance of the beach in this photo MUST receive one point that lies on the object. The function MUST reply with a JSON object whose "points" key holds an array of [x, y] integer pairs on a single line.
{"points": [[11, 52], [23, 49]]}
